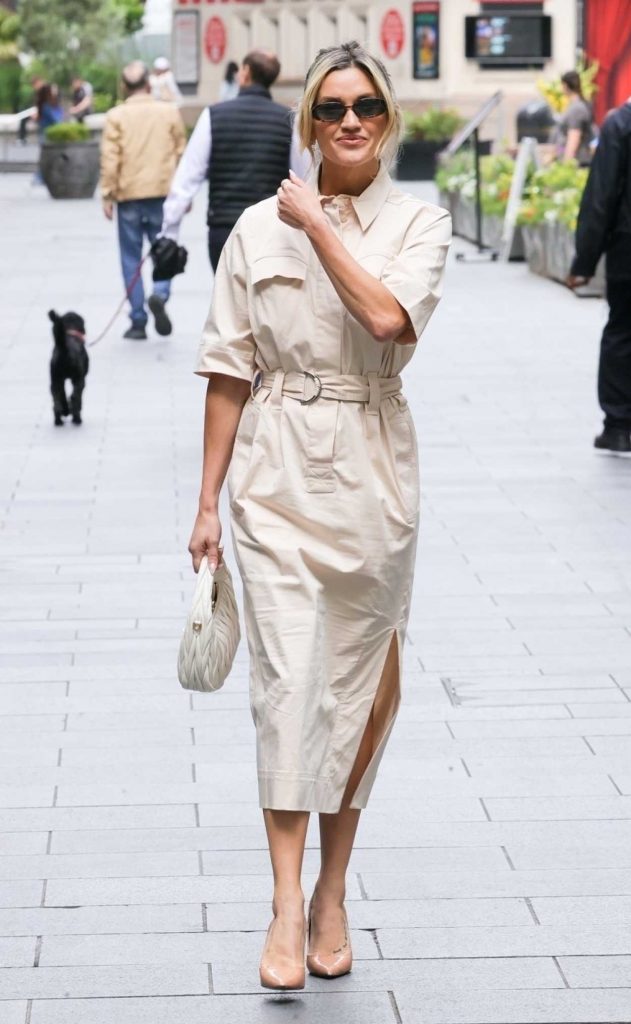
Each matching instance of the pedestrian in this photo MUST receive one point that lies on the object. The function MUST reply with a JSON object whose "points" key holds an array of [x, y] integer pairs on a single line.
{"points": [[141, 145], [49, 108], [36, 83], [321, 294], [604, 226], [163, 84], [48, 113], [82, 97], [243, 148], [575, 129], [229, 89]]}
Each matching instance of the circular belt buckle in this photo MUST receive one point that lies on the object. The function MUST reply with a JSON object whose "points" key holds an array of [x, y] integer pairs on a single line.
{"points": [[318, 383]]}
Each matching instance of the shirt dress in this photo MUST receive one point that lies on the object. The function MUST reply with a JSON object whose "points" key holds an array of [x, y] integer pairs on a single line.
{"points": [[323, 482]]}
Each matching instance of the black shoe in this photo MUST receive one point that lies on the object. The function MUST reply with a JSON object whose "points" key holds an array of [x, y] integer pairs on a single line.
{"points": [[614, 439], [58, 420], [76, 419], [162, 322], [135, 333]]}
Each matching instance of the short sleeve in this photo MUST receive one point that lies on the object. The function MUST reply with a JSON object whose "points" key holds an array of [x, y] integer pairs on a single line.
{"points": [[415, 276], [577, 116], [227, 344]]}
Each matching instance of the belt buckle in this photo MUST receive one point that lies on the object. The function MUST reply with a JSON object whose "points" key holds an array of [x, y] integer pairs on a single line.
{"points": [[318, 383]]}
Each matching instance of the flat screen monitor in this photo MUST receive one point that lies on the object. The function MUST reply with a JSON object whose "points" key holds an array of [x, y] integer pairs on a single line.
{"points": [[509, 38]]}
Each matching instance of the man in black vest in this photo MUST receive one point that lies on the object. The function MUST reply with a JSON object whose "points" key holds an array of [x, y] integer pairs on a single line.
{"points": [[244, 146], [604, 226]]}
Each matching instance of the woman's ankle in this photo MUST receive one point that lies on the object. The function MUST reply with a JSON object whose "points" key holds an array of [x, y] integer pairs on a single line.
{"points": [[288, 902], [329, 892]]}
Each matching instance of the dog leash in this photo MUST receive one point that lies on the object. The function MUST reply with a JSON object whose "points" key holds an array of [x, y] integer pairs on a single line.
{"points": [[128, 291]]}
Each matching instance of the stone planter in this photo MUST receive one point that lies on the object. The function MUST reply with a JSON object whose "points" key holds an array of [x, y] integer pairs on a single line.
{"points": [[550, 250], [71, 169], [417, 159], [462, 210]]}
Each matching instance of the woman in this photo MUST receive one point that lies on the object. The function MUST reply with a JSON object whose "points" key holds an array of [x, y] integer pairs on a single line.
{"points": [[49, 109], [230, 86], [319, 298], [575, 129]]}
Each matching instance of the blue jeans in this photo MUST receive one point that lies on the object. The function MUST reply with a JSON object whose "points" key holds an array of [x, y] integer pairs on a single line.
{"points": [[137, 219]]}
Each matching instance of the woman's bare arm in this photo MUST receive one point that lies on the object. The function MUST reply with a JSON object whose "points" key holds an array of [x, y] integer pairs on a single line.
{"points": [[225, 398], [367, 299]]}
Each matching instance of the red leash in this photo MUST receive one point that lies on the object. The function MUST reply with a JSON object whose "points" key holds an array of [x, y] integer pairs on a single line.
{"points": [[128, 291]]}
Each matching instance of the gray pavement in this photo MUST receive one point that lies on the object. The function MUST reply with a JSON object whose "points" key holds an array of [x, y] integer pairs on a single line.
{"points": [[491, 883]]}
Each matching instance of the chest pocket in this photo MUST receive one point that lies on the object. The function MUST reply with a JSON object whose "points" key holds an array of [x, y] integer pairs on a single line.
{"points": [[277, 292]]}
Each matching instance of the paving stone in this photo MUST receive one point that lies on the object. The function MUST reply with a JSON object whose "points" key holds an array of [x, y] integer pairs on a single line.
{"points": [[14, 1011], [185, 917], [555, 875], [520, 1007], [502, 940], [203, 948], [20, 894], [17, 952], [430, 975], [596, 971], [315, 1008], [122, 980], [112, 865], [166, 890], [169, 816]]}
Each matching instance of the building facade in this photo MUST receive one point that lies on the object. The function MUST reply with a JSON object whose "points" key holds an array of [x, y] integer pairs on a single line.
{"points": [[423, 43]]}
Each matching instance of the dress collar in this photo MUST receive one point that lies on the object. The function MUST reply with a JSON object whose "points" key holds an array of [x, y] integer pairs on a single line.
{"points": [[370, 202]]}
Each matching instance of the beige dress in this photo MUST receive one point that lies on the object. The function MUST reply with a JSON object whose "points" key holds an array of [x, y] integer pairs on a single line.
{"points": [[323, 482]]}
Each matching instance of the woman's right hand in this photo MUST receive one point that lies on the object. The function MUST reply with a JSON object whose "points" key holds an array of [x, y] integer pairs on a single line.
{"points": [[205, 540]]}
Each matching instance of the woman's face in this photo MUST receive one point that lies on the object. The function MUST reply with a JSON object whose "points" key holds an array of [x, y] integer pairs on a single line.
{"points": [[353, 140]]}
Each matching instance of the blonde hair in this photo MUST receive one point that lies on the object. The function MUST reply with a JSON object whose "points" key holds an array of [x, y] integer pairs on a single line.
{"points": [[338, 58]]}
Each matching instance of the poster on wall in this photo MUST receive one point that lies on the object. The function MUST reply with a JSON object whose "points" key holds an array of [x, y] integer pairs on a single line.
{"points": [[186, 47], [426, 38], [392, 33]]}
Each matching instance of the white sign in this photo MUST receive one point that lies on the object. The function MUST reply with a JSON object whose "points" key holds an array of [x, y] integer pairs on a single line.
{"points": [[186, 47]]}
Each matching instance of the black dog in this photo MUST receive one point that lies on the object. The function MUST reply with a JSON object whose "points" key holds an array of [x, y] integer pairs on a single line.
{"points": [[69, 362]]}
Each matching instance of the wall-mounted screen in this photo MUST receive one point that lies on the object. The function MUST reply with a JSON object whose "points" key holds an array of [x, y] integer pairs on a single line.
{"points": [[509, 38]]}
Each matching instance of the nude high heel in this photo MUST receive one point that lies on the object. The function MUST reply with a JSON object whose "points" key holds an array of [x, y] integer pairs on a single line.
{"points": [[331, 963], [278, 971]]}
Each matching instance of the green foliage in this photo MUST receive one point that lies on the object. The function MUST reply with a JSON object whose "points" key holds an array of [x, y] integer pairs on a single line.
{"points": [[434, 125], [9, 35], [132, 13], [66, 33], [101, 102], [67, 131], [457, 175], [554, 195], [10, 86]]}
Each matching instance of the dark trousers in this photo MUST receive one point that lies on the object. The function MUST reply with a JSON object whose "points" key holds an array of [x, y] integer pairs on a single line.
{"points": [[614, 369], [217, 238]]}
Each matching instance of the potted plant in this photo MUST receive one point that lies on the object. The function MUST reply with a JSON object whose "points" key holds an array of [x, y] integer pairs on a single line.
{"points": [[426, 135], [456, 183], [69, 161]]}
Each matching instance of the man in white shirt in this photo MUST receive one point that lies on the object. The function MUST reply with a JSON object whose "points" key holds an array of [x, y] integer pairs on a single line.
{"points": [[244, 148]]}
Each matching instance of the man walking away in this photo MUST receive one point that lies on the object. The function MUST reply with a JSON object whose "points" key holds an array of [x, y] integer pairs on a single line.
{"points": [[604, 226], [163, 84], [245, 147], [142, 143]]}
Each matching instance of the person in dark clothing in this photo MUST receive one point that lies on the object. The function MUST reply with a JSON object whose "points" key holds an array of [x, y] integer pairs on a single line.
{"points": [[244, 147], [604, 226]]}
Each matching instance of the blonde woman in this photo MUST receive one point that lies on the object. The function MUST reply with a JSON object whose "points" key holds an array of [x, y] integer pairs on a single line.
{"points": [[320, 298]]}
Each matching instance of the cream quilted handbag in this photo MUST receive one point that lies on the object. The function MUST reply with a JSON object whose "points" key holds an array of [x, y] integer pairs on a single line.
{"points": [[212, 633]]}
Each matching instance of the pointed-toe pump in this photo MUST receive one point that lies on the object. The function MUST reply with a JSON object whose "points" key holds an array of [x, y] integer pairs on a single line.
{"points": [[278, 971], [330, 963]]}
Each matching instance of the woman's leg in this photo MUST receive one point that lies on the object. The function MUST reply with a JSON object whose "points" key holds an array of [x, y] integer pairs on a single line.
{"points": [[337, 835], [286, 835], [337, 831]]}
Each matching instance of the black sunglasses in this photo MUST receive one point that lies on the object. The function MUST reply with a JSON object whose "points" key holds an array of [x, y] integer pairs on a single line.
{"points": [[334, 110]]}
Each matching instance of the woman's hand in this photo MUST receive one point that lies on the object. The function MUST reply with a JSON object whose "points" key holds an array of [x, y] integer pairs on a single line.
{"points": [[205, 540], [298, 206]]}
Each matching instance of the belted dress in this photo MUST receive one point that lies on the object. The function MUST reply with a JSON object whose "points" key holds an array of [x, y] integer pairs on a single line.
{"points": [[323, 481]]}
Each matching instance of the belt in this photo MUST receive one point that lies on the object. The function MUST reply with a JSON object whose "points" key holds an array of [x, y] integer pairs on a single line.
{"points": [[308, 386]]}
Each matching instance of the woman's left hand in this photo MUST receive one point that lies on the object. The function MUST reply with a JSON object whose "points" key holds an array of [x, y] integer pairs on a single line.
{"points": [[298, 206]]}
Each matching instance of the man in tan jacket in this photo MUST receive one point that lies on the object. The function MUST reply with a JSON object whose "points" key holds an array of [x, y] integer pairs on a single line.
{"points": [[142, 143]]}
